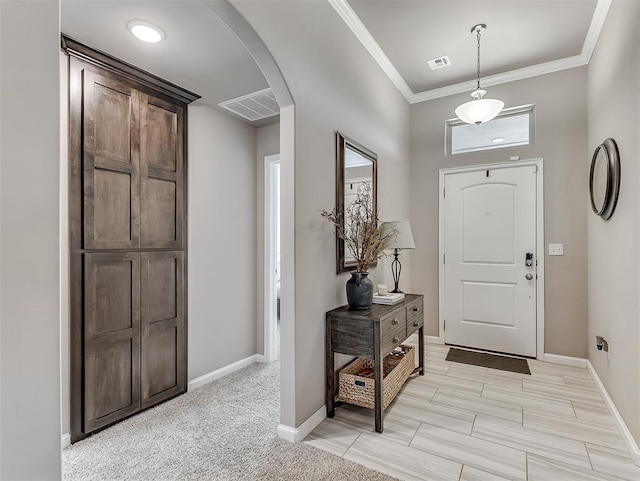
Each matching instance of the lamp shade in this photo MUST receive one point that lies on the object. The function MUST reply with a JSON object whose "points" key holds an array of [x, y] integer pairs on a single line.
{"points": [[402, 239], [479, 110]]}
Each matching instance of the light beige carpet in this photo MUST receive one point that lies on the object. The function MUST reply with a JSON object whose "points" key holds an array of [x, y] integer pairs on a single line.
{"points": [[225, 430]]}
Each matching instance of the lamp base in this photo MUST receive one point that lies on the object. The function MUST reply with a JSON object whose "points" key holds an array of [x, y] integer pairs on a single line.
{"points": [[396, 268]]}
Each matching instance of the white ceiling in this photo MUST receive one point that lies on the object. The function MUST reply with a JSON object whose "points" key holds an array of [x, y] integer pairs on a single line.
{"points": [[524, 38], [199, 53]]}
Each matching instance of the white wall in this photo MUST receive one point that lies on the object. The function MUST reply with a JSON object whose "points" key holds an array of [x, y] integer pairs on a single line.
{"points": [[333, 89], [267, 143], [561, 125], [222, 240], [29, 243], [614, 262]]}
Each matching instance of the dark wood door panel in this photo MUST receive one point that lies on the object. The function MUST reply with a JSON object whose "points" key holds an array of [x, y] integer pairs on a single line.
{"points": [[161, 170], [162, 287], [159, 225], [111, 337], [110, 290], [160, 354], [163, 368], [112, 213], [110, 120], [161, 135], [111, 163], [112, 293], [112, 382], [114, 377]]}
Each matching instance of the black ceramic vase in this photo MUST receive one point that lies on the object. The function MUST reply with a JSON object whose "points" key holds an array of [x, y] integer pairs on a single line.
{"points": [[359, 290]]}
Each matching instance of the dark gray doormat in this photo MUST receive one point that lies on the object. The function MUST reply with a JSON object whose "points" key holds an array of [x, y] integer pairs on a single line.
{"points": [[493, 361]]}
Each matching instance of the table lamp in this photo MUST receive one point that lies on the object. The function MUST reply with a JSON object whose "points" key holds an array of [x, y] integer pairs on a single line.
{"points": [[401, 239]]}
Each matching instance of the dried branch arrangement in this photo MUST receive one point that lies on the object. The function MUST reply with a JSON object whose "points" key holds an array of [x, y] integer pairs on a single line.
{"points": [[360, 230]]}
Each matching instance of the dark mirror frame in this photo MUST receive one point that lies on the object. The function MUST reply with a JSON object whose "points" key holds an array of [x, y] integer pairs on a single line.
{"points": [[610, 148], [343, 142]]}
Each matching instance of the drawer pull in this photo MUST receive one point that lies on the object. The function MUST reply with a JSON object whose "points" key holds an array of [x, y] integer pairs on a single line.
{"points": [[415, 323], [396, 340], [395, 321], [415, 308]]}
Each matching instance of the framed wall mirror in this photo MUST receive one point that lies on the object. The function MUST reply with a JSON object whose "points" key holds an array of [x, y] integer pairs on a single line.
{"points": [[356, 171], [604, 179]]}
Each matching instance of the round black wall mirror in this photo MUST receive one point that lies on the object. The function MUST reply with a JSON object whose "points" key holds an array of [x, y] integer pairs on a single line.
{"points": [[604, 178]]}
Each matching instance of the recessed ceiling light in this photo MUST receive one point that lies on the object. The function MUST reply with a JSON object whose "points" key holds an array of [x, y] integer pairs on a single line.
{"points": [[497, 140], [145, 31]]}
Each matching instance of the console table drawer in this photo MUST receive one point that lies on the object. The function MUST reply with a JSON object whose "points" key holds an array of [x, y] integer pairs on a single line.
{"points": [[393, 322], [415, 316], [394, 338], [414, 325]]}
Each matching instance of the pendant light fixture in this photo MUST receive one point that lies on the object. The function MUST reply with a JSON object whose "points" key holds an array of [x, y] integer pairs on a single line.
{"points": [[479, 109]]}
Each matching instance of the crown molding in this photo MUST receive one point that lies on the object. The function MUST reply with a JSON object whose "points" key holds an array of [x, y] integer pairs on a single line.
{"points": [[361, 32], [597, 22], [511, 76], [103, 60]]}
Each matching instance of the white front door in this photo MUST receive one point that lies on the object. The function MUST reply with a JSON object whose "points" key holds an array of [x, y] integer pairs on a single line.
{"points": [[489, 242]]}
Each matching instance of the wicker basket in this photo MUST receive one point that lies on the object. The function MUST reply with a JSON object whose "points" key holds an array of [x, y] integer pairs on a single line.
{"points": [[360, 391]]}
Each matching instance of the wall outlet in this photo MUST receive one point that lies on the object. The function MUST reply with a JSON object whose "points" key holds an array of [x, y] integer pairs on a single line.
{"points": [[603, 345], [556, 249]]}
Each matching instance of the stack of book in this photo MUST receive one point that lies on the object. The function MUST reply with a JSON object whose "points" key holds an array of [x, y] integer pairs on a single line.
{"points": [[388, 299]]}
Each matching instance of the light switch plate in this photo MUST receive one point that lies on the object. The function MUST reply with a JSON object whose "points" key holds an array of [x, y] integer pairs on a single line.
{"points": [[556, 249]]}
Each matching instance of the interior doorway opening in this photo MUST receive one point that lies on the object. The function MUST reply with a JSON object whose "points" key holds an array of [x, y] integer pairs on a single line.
{"points": [[272, 271]]}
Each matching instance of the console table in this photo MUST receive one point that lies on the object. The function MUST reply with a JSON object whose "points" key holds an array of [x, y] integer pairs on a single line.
{"points": [[372, 333]]}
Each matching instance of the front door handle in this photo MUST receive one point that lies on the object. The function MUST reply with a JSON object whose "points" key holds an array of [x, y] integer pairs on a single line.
{"points": [[528, 276]]}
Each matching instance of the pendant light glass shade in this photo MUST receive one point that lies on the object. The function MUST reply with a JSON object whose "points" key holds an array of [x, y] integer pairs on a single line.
{"points": [[479, 110]]}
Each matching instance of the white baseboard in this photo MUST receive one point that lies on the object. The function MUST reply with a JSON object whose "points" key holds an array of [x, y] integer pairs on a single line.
{"points": [[260, 358], [631, 444], [223, 371], [295, 435], [433, 340], [565, 360], [66, 440]]}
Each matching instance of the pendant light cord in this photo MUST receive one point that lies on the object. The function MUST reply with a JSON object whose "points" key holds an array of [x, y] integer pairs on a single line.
{"points": [[478, 78]]}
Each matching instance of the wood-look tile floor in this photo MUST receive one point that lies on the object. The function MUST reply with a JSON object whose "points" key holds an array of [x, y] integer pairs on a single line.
{"points": [[469, 423]]}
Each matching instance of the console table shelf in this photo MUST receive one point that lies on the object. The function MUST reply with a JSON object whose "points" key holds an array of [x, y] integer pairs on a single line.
{"points": [[372, 333]]}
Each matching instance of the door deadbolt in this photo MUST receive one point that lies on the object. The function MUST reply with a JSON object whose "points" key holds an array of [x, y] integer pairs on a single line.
{"points": [[528, 259]]}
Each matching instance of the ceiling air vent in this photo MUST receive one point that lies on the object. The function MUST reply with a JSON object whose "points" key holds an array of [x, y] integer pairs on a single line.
{"points": [[254, 106], [440, 62]]}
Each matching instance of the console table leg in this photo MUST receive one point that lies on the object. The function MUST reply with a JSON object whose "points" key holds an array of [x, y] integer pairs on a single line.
{"points": [[330, 373], [421, 350], [377, 366]]}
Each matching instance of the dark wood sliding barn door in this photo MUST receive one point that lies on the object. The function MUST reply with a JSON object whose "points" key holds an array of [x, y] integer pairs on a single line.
{"points": [[127, 133]]}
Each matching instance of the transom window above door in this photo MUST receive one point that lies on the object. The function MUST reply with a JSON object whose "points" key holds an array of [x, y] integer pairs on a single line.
{"points": [[511, 128]]}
